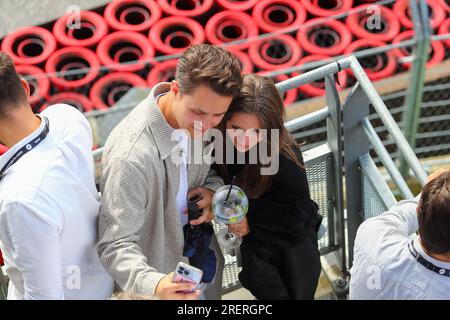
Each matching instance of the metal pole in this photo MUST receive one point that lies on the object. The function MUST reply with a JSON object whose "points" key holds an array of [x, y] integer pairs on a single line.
{"points": [[307, 120], [388, 121], [356, 144], [3, 286], [359, 54], [414, 99], [388, 163], [377, 182], [97, 154], [314, 75]]}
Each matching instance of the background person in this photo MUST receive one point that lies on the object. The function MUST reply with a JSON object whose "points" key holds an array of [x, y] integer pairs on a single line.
{"points": [[280, 257], [392, 262], [48, 201]]}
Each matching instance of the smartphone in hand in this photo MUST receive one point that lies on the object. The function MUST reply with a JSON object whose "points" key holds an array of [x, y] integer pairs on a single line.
{"points": [[187, 273]]}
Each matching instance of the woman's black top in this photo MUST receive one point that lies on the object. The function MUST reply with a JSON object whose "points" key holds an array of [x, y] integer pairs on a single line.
{"points": [[280, 258]]}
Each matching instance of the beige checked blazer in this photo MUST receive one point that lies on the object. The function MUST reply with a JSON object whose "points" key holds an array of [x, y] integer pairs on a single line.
{"points": [[140, 232]]}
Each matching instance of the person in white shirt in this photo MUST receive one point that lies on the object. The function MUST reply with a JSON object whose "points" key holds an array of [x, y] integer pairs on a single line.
{"points": [[48, 201], [391, 262]]}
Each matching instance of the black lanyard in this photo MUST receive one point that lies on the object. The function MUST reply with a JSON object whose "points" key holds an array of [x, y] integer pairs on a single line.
{"points": [[427, 264], [26, 148]]}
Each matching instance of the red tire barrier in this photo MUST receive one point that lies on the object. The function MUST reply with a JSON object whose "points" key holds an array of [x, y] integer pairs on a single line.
{"points": [[324, 37], [317, 88], [109, 89], [275, 53], [3, 150], [174, 34], [289, 96], [1, 256], [125, 51], [38, 82], [379, 66], [242, 5], [272, 15], [91, 29], [436, 56], [162, 72], [186, 8], [32, 45], [325, 8], [81, 61], [227, 26], [244, 59], [444, 4], [437, 13], [76, 100], [445, 29], [364, 25], [132, 15]]}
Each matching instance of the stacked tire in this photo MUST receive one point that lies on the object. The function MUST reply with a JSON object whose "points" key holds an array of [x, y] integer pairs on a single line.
{"points": [[90, 61]]}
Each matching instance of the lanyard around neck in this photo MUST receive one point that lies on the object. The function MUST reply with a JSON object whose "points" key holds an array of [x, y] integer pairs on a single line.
{"points": [[26, 148], [427, 264]]}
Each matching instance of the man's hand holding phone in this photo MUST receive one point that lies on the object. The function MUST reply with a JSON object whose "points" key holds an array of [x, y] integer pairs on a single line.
{"points": [[168, 290], [182, 284]]}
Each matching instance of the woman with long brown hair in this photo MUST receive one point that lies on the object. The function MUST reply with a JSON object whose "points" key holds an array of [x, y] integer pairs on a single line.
{"points": [[280, 258]]}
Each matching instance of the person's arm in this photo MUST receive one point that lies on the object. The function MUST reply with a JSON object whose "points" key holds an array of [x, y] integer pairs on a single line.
{"points": [[393, 226], [396, 224], [213, 182], [34, 241], [292, 179], [291, 203], [287, 217], [124, 200], [282, 224], [399, 222], [206, 190]]}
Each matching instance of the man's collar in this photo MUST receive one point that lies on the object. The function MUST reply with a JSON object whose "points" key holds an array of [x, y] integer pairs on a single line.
{"points": [[6, 156], [160, 128], [437, 263]]}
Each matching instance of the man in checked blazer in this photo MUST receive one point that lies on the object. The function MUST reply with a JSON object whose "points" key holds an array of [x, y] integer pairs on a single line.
{"points": [[146, 178]]}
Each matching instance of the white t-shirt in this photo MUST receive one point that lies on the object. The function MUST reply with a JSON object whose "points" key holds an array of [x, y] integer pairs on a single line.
{"points": [[183, 140], [48, 214], [383, 266]]}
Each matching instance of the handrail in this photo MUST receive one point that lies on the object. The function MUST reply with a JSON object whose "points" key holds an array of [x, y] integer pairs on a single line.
{"points": [[376, 180], [3, 285], [388, 121], [388, 163], [314, 75], [414, 99], [308, 119], [374, 98], [97, 154]]}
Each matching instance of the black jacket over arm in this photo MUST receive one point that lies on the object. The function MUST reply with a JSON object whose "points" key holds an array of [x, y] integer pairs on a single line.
{"points": [[280, 258]]}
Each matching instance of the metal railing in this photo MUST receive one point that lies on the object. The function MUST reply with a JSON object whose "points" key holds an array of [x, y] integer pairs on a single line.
{"points": [[3, 285], [366, 193], [377, 197], [424, 114]]}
